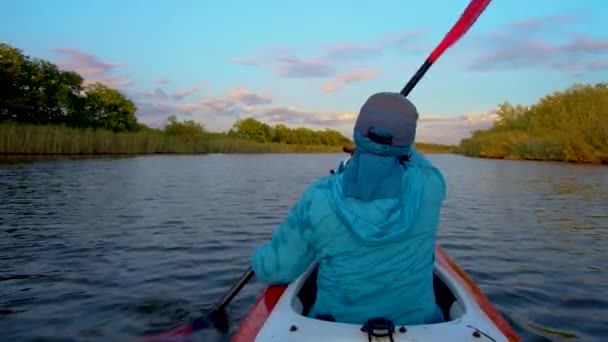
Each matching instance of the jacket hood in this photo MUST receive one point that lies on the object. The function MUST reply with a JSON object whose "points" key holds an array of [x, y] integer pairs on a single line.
{"points": [[384, 219]]}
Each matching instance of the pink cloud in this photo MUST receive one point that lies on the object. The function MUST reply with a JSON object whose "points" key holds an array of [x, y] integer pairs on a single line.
{"points": [[544, 21], [330, 87], [328, 60], [157, 93], [114, 81], [249, 98], [352, 50], [294, 67], [161, 80], [450, 130], [92, 69], [529, 44], [185, 93], [84, 63], [219, 106], [347, 77], [246, 61], [187, 107], [293, 116], [154, 111]]}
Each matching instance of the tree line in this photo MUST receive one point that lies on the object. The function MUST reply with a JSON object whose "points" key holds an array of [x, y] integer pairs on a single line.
{"points": [[252, 129], [569, 125], [36, 92]]}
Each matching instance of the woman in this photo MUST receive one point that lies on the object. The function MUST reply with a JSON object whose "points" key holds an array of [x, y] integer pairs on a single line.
{"points": [[371, 225]]}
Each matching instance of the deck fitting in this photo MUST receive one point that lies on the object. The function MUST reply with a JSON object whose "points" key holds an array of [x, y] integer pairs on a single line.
{"points": [[476, 333], [293, 328], [402, 330]]}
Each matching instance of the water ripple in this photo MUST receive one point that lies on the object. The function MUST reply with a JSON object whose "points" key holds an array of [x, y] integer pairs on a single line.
{"points": [[101, 249]]}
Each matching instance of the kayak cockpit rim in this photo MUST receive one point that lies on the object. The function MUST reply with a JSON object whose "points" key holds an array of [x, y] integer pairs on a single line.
{"points": [[451, 303], [280, 313]]}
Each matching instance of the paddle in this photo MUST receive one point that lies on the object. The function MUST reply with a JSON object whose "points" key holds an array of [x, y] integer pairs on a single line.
{"points": [[216, 317], [467, 19], [464, 23]]}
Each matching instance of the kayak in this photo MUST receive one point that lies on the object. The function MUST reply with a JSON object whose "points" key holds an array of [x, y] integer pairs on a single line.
{"points": [[280, 314]]}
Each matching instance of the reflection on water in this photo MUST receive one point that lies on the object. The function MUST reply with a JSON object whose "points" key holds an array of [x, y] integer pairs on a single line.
{"points": [[107, 248]]}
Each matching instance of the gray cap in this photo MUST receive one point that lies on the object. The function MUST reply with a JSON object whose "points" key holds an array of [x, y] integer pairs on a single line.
{"points": [[389, 112]]}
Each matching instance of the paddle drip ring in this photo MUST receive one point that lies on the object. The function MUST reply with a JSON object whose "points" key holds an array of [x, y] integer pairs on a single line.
{"points": [[379, 327]]}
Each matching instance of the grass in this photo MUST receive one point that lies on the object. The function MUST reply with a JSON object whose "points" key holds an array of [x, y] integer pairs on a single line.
{"points": [[62, 140]]}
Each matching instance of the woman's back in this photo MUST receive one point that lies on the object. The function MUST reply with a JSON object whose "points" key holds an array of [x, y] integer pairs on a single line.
{"points": [[371, 225], [372, 261]]}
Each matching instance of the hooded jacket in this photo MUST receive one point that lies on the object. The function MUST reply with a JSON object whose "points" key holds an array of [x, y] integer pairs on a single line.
{"points": [[375, 256]]}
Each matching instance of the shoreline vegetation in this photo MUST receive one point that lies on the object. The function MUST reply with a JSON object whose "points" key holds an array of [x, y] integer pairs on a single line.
{"points": [[567, 126], [47, 111], [62, 140]]}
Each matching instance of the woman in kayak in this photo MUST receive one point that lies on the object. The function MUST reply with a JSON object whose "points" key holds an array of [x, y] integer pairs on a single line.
{"points": [[371, 225]]}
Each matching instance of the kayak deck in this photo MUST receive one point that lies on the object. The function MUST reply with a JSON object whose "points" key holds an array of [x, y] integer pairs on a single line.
{"points": [[280, 313]]}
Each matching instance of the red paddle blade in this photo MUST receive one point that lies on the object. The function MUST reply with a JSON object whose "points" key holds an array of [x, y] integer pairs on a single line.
{"points": [[467, 19]]}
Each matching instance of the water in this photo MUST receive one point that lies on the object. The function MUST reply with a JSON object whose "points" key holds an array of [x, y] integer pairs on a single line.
{"points": [[103, 249]]}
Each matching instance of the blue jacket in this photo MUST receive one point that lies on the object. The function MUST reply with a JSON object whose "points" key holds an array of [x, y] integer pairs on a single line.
{"points": [[375, 257]]}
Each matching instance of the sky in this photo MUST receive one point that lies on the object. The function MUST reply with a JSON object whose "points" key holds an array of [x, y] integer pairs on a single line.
{"points": [[314, 63]]}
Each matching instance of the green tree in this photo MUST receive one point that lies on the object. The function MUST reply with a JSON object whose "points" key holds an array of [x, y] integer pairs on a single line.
{"points": [[186, 129], [35, 91], [569, 125], [107, 108], [252, 129]]}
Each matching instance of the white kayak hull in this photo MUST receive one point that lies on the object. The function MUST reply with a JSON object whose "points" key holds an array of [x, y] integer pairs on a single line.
{"points": [[278, 315]]}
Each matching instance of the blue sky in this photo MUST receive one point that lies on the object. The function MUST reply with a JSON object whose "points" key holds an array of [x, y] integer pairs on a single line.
{"points": [[314, 63]]}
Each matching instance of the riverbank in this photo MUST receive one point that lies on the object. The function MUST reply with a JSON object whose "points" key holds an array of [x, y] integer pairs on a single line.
{"points": [[61, 140], [567, 126]]}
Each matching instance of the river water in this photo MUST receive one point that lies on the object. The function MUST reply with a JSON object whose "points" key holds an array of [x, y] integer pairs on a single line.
{"points": [[103, 249]]}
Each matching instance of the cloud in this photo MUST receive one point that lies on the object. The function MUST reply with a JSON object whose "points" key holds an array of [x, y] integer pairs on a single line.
{"points": [[240, 103], [537, 23], [529, 44], [331, 57], [330, 87], [157, 93], [293, 116], [92, 69], [294, 67], [185, 93], [250, 98], [152, 112], [348, 77], [114, 81], [155, 114], [187, 107], [161, 80], [402, 41], [246, 61], [219, 106], [450, 130]]}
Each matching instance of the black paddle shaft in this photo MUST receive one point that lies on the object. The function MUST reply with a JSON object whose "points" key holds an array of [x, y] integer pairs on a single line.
{"points": [[236, 288], [417, 76]]}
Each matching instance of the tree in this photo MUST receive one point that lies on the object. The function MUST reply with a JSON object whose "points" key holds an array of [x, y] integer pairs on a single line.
{"points": [[252, 129], [107, 108], [35, 91], [569, 125], [186, 129]]}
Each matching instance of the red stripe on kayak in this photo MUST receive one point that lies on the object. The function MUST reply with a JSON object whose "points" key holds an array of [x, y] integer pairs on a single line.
{"points": [[257, 316], [443, 259]]}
